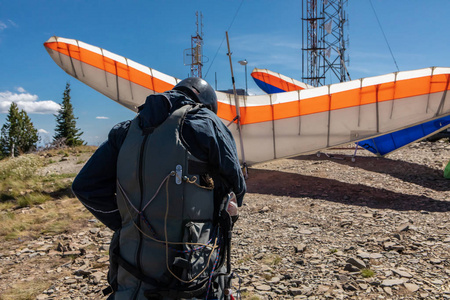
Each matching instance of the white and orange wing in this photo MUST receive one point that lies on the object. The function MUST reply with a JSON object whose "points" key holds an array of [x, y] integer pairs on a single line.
{"points": [[117, 77], [282, 124]]}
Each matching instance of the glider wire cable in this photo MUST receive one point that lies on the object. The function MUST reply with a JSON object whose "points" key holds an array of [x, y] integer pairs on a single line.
{"points": [[220, 46], [379, 24]]}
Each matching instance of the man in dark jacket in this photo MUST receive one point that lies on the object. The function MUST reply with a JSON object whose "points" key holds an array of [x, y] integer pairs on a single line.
{"points": [[201, 134]]}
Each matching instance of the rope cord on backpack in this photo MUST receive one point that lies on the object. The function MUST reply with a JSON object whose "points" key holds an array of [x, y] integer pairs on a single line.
{"points": [[212, 273], [165, 241], [167, 244], [193, 181], [149, 236]]}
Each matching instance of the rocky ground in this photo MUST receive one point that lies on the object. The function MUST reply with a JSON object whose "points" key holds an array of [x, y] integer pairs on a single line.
{"points": [[311, 228]]}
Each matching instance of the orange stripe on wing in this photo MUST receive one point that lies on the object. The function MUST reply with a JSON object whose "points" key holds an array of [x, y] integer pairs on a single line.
{"points": [[111, 66], [255, 114], [340, 100]]}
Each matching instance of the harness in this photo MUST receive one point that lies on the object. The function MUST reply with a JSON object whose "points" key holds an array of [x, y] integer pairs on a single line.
{"points": [[171, 245]]}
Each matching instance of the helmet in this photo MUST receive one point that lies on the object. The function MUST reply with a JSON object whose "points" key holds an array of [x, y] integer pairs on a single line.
{"points": [[198, 90]]}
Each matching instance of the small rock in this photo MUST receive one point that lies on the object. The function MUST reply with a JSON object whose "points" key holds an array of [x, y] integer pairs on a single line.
{"points": [[342, 278], [103, 259], [402, 273], [391, 282], [295, 291], [322, 289], [94, 230], [300, 248], [435, 261], [275, 280], [388, 245], [363, 286], [411, 287], [81, 272], [349, 286], [263, 287], [351, 268], [70, 281], [97, 277], [357, 263], [388, 290], [305, 231], [403, 227]]}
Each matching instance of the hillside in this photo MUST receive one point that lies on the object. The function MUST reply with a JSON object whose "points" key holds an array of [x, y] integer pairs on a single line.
{"points": [[311, 228]]}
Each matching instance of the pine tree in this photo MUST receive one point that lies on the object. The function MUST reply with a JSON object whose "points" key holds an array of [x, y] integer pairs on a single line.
{"points": [[18, 134], [66, 122], [28, 135]]}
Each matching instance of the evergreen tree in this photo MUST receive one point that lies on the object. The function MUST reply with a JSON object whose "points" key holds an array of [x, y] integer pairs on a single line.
{"points": [[66, 122], [18, 134], [28, 135]]}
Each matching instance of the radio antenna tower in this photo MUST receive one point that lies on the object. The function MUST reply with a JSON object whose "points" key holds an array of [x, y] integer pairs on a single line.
{"points": [[323, 41], [196, 51]]}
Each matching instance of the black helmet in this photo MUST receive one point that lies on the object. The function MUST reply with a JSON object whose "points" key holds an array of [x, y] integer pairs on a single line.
{"points": [[198, 90]]}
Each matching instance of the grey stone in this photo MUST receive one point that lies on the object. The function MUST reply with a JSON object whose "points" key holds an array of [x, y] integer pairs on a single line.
{"points": [[411, 287], [263, 287], [300, 248], [349, 286], [391, 282], [403, 227], [402, 273], [357, 263], [295, 291]]}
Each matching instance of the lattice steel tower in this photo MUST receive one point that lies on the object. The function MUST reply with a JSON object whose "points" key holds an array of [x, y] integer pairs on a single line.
{"points": [[323, 41], [196, 51]]}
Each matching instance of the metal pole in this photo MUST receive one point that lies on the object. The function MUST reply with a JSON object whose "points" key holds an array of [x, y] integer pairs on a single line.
{"points": [[244, 63], [238, 111], [246, 88]]}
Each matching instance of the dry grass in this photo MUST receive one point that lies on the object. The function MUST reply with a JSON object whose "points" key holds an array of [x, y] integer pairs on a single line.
{"points": [[24, 290], [31, 204], [53, 217], [22, 185]]}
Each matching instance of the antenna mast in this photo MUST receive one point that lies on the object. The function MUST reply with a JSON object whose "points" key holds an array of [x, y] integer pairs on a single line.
{"points": [[196, 51], [324, 45]]}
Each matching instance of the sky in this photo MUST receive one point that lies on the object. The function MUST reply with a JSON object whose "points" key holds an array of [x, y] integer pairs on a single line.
{"points": [[266, 33]]}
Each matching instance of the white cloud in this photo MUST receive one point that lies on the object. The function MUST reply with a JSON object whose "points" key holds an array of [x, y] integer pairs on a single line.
{"points": [[4, 26], [14, 97], [13, 23], [20, 89], [42, 131], [102, 118], [27, 102]]}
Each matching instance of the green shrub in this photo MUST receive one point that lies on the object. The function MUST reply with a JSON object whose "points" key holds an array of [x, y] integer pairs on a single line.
{"points": [[366, 273]]}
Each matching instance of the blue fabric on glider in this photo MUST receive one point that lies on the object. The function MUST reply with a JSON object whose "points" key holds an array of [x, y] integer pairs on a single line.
{"points": [[387, 143], [268, 88]]}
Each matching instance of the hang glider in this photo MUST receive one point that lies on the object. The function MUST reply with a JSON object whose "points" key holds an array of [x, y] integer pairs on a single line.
{"points": [[281, 124], [272, 82]]}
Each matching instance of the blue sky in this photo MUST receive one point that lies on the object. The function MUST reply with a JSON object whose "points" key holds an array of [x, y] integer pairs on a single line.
{"points": [[267, 33]]}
